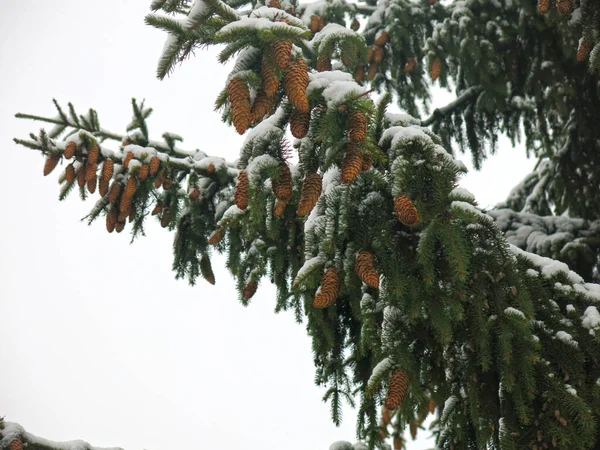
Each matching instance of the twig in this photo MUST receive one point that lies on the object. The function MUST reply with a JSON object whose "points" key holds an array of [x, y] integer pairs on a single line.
{"points": [[439, 113]]}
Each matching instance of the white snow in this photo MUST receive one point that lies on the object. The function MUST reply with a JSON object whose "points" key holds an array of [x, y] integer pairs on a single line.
{"points": [[384, 366], [337, 86], [570, 308], [308, 266], [510, 311], [462, 193], [566, 338], [591, 319]]}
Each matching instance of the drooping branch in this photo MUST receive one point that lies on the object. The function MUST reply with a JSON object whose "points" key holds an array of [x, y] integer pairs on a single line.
{"points": [[463, 98]]}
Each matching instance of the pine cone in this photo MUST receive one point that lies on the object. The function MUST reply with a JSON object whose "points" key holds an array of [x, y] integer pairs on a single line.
{"points": [[239, 97], [386, 417], [351, 164], [299, 123], [206, 269], [249, 290], [279, 207], [119, 226], [216, 236], [322, 23], [355, 25], [165, 218], [16, 444], [282, 52], [157, 208], [583, 50], [111, 220], [357, 126], [431, 406], [382, 38], [70, 173], [270, 76], [143, 172], [81, 176], [315, 24], [346, 59], [240, 196], [398, 444], [127, 159], [195, 194], [103, 187], [167, 183], [543, 6], [328, 290], [411, 63], [92, 154], [373, 68], [367, 161], [413, 429], [158, 181], [323, 63], [90, 171], [564, 7], [405, 210], [282, 187], [154, 165], [365, 269], [107, 169], [359, 73], [295, 82], [128, 194], [435, 67], [91, 183], [51, 162], [114, 192], [262, 105], [310, 193], [274, 4], [397, 390], [70, 150], [375, 54]]}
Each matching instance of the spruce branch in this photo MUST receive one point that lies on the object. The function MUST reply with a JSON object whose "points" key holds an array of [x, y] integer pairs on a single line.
{"points": [[465, 97]]}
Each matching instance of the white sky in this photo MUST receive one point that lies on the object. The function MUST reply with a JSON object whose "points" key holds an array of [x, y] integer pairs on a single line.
{"points": [[99, 342]]}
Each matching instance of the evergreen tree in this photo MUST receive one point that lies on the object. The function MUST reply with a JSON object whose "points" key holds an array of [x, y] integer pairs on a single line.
{"points": [[416, 301]]}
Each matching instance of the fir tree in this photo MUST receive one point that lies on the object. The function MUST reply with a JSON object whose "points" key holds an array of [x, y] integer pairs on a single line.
{"points": [[415, 300]]}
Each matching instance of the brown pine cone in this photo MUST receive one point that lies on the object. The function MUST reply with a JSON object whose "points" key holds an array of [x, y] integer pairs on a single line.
{"points": [[346, 59], [365, 269], [127, 159], [279, 208], [386, 417], [216, 236], [373, 68], [206, 269], [282, 187], [119, 226], [91, 183], [165, 217], [114, 192], [351, 164], [103, 187], [211, 168], [413, 429], [240, 195], [274, 4], [282, 52], [249, 290], [431, 406], [128, 193], [359, 73], [239, 98], [367, 161], [262, 105], [435, 68], [411, 63], [70, 173], [143, 172], [397, 390], [375, 54], [158, 181], [51, 162], [564, 7], [16, 444], [90, 171], [167, 183], [299, 123], [323, 63], [157, 208], [315, 24], [405, 210], [398, 444], [92, 154], [295, 82], [70, 150], [310, 193], [382, 38], [355, 25], [583, 50], [328, 290], [270, 76], [543, 6], [154, 165], [194, 194], [81, 176], [107, 169], [357, 126], [111, 220]]}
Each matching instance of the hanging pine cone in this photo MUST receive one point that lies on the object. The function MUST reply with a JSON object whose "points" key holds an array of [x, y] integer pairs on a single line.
{"points": [[107, 169], [386, 417], [119, 226], [103, 187], [165, 217], [279, 208], [359, 73], [70, 173], [328, 290], [564, 7], [405, 210], [240, 196], [282, 187], [382, 38], [355, 25], [431, 406], [92, 154], [365, 269], [274, 4], [299, 123], [583, 50], [81, 176], [282, 52], [397, 390], [249, 290], [194, 194], [357, 126], [323, 63], [90, 171], [413, 429], [160, 178], [375, 54], [367, 161], [270, 76], [127, 159], [239, 97], [373, 68], [16, 444], [398, 444], [167, 183], [435, 67], [543, 6], [262, 105], [51, 162], [128, 194], [143, 172], [92, 183], [111, 220], [122, 216], [206, 269], [154, 165], [157, 208], [216, 236], [351, 164], [310, 193], [70, 150], [114, 192], [295, 82], [411, 63], [315, 24]]}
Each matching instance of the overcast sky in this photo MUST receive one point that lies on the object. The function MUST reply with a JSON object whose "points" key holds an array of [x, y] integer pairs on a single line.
{"points": [[98, 340]]}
